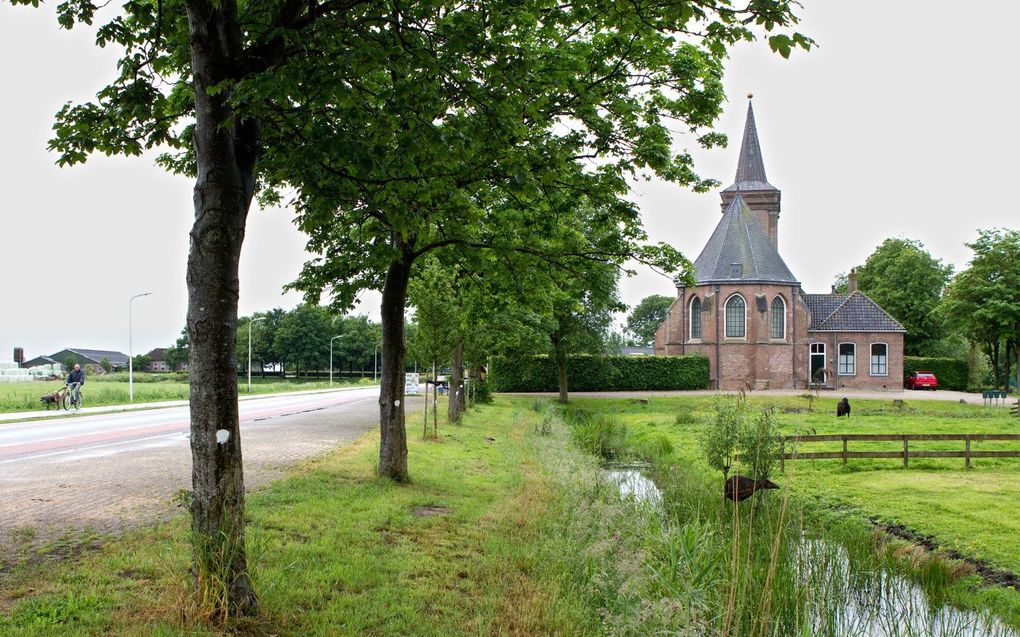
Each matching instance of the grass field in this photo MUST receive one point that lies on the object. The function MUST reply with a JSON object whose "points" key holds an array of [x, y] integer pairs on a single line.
{"points": [[972, 511], [508, 528], [148, 388]]}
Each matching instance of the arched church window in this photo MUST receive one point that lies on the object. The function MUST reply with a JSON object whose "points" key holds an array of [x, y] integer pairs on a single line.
{"points": [[778, 322], [695, 318], [736, 311]]}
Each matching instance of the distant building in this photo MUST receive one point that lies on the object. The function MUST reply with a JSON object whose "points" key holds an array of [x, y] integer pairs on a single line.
{"points": [[157, 361], [39, 361], [637, 351], [748, 314], [91, 357]]}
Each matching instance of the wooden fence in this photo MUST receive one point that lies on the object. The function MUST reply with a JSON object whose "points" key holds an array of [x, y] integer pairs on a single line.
{"points": [[906, 454]]}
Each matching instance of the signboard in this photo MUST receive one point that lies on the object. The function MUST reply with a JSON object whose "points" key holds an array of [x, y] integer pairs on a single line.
{"points": [[411, 384]]}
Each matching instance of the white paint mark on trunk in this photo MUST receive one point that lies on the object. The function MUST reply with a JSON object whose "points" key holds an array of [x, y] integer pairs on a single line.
{"points": [[222, 435], [396, 403]]}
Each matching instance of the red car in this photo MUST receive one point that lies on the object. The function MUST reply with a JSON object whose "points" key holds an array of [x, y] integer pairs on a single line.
{"points": [[921, 380]]}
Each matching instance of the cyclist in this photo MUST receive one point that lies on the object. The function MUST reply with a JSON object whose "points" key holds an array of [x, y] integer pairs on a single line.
{"points": [[75, 380]]}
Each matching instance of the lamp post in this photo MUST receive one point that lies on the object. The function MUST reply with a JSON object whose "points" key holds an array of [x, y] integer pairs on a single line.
{"points": [[261, 318], [331, 355], [131, 353], [375, 367]]}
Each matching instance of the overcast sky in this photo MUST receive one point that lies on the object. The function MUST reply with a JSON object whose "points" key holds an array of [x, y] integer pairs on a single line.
{"points": [[901, 123]]}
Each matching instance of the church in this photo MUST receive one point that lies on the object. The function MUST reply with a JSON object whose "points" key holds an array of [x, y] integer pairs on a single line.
{"points": [[748, 314]]}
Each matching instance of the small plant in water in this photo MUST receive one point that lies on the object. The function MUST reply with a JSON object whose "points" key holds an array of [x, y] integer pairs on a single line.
{"points": [[721, 435]]}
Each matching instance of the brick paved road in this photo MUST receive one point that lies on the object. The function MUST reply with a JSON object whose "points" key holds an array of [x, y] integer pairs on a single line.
{"points": [[83, 480]]}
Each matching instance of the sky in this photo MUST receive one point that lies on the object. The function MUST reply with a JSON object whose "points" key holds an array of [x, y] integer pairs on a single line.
{"points": [[899, 124]]}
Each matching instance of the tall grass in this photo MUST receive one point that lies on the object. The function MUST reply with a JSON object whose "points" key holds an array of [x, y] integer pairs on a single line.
{"points": [[700, 565]]}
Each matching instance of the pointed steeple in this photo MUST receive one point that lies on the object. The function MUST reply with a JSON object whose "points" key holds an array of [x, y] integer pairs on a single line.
{"points": [[759, 195], [750, 166]]}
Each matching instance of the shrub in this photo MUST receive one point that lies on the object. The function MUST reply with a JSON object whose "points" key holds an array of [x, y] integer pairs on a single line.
{"points": [[721, 435], [600, 373], [761, 444], [483, 393], [951, 372]]}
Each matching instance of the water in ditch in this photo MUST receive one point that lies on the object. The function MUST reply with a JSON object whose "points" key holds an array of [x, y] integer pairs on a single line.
{"points": [[847, 601]]}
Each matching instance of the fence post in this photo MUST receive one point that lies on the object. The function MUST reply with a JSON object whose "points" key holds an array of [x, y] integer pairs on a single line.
{"points": [[968, 451], [782, 456], [906, 452], [844, 450]]}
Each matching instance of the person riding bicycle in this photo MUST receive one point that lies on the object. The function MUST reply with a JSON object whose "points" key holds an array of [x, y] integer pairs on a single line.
{"points": [[76, 379]]}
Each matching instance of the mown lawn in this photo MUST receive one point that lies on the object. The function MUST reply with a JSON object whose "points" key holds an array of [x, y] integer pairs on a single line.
{"points": [[972, 511], [148, 388], [338, 551]]}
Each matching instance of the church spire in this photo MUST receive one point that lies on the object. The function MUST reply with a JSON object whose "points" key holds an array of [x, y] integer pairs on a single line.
{"points": [[750, 167], [759, 195]]}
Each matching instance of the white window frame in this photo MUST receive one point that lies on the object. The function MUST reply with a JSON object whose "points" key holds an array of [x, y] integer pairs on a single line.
{"points": [[839, 359], [690, 319], [772, 336], [726, 322], [871, 358]]}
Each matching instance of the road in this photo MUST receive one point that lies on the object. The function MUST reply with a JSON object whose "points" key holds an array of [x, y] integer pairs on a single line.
{"points": [[109, 472]]}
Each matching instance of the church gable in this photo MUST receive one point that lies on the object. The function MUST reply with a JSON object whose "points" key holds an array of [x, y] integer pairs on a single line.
{"points": [[740, 251]]}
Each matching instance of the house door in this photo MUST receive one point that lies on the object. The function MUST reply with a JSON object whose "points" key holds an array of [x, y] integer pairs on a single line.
{"points": [[818, 375]]}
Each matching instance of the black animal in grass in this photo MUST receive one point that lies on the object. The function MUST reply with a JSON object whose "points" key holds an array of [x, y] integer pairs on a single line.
{"points": [[740, 488], [843, 408]]}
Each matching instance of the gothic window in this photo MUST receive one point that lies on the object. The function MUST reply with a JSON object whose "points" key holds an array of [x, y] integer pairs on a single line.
{"points": [[879, 359], [695, 318], [847, 359], [735, 313], [778, 323]]}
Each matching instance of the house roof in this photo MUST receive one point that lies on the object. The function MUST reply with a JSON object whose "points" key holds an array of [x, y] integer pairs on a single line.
{"points": [[637, 351], [158, 354], [97, 355], [750, 167], [39, 360], [740, 251], [853, 312]]}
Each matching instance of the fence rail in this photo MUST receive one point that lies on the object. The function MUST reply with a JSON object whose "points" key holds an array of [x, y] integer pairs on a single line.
{"points": [[906, 454]]}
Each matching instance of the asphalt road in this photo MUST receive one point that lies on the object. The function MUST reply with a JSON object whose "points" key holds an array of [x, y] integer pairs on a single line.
{"points": [[109, 472]]}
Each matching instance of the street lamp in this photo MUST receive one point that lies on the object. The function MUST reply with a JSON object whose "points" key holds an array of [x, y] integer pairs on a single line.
{"points": [[261, 318], [131, 371], [331, 355]]}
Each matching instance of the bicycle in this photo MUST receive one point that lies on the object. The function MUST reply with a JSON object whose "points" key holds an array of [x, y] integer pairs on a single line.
{"points": [[72, 397]]}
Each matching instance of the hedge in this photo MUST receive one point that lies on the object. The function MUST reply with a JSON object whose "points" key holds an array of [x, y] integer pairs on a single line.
{"points": [[600, 373], [951, 373]]}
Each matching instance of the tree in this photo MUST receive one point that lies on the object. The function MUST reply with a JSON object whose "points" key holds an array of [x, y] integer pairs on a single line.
{"points": [[984, 299], [359, 342], [903, 278], [304, 334], [646, 317], [106, 365], [436, 318], [140, 361], [177, 354], [476, 116]]}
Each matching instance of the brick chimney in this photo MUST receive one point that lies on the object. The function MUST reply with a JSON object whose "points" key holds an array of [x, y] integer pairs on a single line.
{"points": [[851, 281]]}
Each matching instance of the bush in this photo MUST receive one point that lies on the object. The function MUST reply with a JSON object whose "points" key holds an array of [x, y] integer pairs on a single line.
{"points": [[951, 372], [600, 373]]}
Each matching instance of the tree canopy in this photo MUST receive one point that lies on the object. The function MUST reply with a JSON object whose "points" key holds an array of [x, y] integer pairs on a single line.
{"points": [[646, 317]]}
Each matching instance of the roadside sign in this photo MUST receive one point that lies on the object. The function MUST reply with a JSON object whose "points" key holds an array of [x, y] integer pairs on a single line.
{"points": [[410, 384]]}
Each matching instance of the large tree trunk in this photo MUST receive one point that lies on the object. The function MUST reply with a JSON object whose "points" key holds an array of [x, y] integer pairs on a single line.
{"points": [[226, 152], [561, 370], [393, 435], [456, 403]]}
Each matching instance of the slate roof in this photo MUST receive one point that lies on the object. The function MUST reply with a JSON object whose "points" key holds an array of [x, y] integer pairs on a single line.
{"points": [[117, 358], [158, 354], [740, 251], [853, 312], [750, 167]]}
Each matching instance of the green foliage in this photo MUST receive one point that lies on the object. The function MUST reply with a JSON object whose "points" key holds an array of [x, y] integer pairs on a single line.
{"points": [[599, 434], [482, 392], [646, 317], [600, 373], [903, 278], [952, 373], [140, 361], [304, 335], [106, 365], [69, 362], [761, 444], [436, 314], [177, 354], [721, 435]]}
